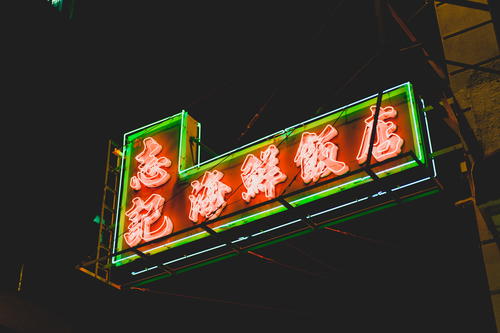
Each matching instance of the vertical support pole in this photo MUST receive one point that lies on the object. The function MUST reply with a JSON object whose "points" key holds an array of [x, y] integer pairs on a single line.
{"points": [[490, 315], [378, 4], [107, 214], [380, 24], [20, 282], [374, 129], [102, 214]]}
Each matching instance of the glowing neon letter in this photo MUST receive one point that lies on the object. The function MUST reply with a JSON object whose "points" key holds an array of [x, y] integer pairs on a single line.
{"points": [[317, 157], [142, 216], [387, 144], [261, 175], [150, 171], [207, 197]]}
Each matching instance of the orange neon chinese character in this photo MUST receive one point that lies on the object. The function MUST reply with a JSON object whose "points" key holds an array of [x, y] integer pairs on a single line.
{"points": [[150, 171], [387, 144], [142, 216], [207, 197], [317, 157], [261, 175]]}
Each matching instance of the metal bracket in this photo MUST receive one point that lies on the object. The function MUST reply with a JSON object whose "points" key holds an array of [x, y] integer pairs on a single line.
{"points": [[236, 248], [466, 3], [146, 258], [203, 146], [471, 66], [303, 218]]}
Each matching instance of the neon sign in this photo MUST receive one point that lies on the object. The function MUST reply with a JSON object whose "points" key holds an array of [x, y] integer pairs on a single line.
{"points": [[261, 175], [170, 191], [142, 215], [150, 173], [387, 143], [207, 197], [317, 156]]}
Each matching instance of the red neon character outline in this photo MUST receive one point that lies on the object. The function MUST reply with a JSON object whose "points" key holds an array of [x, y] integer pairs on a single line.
{"points": [[150, 171], [143, 215], [261, 175], [207, 196], [317, 157], [387, 144]]}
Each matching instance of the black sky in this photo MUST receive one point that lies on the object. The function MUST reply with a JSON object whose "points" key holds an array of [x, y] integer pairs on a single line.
{"points": [[119, 65]]}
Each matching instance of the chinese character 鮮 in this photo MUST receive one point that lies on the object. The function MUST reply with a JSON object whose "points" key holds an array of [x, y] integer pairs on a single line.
{"points": [[261, 175]]}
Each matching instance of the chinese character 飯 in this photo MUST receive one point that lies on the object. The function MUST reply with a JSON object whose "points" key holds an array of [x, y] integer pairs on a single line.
{"points": [[317, 156]]}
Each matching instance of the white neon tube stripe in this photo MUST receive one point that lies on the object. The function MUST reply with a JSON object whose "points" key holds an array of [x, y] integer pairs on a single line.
{"points": [[199, 148], [276, 134], [165, 245], [181, 144], [337, 207], [329, 189], [194, 254], [415, 129], [346, 106], [295, 126], [429, 138], [233, 151], [115, 237], [274, 228], [247, 217], [151, 124]]}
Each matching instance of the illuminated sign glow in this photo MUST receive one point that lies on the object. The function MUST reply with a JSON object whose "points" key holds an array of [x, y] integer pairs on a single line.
{"points": [[317, 157], [150, 171], [172, 195], [142, 215], [261, 175], [387, 144], [207, 197]]}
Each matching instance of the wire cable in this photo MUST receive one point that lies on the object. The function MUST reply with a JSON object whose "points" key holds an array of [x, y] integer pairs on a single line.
{"points": [[313, 258], [216, 300], [294, 268]]}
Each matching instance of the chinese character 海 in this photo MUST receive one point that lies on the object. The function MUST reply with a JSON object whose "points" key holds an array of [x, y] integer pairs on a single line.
{"points": [[207, 198]]}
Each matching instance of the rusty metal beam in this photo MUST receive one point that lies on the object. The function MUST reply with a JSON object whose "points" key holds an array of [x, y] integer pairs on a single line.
{"points": [[466, 3]]}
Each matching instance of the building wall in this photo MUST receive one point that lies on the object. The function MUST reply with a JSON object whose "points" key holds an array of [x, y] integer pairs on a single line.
{"points": [[468, 38]]}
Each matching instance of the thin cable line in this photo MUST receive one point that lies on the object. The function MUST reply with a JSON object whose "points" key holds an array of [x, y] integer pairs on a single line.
{"points": [[356, 236], [294, 268], [295, 177], [313, 258], [216, 300]]}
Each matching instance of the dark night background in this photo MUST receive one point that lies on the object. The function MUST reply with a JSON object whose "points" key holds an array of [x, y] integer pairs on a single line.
{"points": [[70, 85]]}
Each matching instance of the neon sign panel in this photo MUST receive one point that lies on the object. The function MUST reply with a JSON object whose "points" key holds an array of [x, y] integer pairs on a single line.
{"points": [[165, 188]]}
